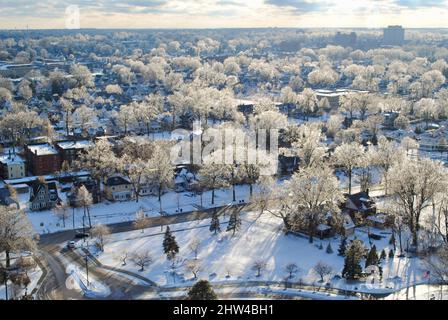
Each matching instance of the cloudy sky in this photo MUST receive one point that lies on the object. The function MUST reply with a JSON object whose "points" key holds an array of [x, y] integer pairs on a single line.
{"points": [[223, 13]]}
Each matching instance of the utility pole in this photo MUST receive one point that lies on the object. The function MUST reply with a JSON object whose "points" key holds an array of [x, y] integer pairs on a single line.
{"points": [[87, 266]]}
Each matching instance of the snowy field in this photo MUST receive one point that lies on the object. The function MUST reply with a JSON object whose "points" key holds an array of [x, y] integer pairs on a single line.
{"points": [[227, 258]]}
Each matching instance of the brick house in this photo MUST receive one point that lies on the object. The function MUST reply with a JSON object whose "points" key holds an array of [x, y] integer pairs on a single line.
{"points": [[42, 159]]}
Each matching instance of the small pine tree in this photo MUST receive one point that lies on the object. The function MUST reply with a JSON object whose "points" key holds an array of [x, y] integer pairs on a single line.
{"points": [[202, 290], [329, 248], [234, 223], [353, 256], [320, 247], [392, 240], [342, 247], [383, 255], [372, 257], [170, 246], [391, 254], [214, 225]]}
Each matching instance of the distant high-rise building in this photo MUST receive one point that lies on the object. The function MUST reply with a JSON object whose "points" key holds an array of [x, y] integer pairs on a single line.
{"points": [[393, 36], [345, 39]]}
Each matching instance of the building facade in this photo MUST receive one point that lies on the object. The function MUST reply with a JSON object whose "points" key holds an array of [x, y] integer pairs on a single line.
{"points": [[42, 159], [12, 166], [43, 195], [393, 36]]}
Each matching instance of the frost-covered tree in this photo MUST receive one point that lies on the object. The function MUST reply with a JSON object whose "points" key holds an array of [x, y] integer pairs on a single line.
{"points": [[84, 200], [99, 159], [194, 266], [386, 154], [347, 156], [213, 174], [162, 172], [141, 259], [323, 270], [16, 233], [307, 102], [310, 194], [100, 232], [291, 269], [141, 220], [309, 144], [259, 266], [426, 109], [415, 183], [84, 117]]}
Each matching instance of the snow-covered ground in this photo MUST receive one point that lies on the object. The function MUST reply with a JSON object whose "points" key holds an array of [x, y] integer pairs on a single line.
{"points": [[77, 280], [421, 292], [90, 287], [113, 212], [227, 258], [262, 292]]}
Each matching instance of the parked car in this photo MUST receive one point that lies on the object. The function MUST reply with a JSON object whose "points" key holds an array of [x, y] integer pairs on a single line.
{"points": [[81, 235], [71, 245]]}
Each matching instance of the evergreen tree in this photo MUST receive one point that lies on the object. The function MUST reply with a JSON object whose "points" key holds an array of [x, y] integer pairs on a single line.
{"points": [[392, 240], [352, 268], [320, 246], [383, 255], [214, 226], [329, 248], [170, 246], [234, 223], [202, 290], [342, 246], [372, 257], [391, 254]]}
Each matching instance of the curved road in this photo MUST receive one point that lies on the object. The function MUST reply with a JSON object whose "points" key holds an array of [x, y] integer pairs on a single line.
{"points": [[121, 286]]}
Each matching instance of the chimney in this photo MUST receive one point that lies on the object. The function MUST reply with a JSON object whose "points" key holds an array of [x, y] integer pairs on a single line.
{"points": [[35, 152]]}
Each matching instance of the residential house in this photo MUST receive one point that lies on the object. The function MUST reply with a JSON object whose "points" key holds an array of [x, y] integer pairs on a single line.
{"points": [[91, 186], [118, 189], [42, 159], [334, 96], [70, 150], [12, 166], [379, 221], [7, 199], [43, 195], [359, 205]]}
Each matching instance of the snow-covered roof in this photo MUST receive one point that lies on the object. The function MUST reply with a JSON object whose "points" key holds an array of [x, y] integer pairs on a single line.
{"points": [[323, 227], [74, 144], [379, 218], [11, 159], [42, 149]]}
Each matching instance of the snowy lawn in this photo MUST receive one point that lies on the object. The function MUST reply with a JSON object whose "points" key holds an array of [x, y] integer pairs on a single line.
{"points": [[261, 239], [114, 212], [17, 291]]}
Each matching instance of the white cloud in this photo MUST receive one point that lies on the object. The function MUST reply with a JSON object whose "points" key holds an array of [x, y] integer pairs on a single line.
{"points": [[225, 13]]}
